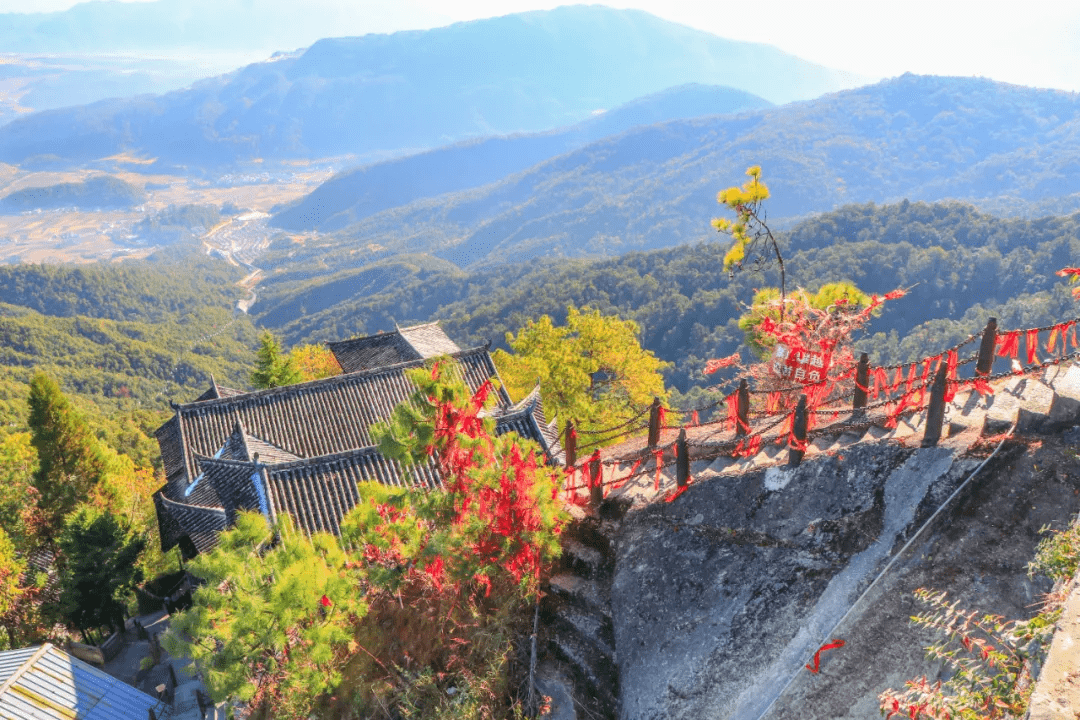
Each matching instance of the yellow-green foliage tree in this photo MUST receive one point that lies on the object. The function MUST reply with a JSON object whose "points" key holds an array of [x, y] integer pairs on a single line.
{"points": [[313, 362], [592, 370], [754, 241]]}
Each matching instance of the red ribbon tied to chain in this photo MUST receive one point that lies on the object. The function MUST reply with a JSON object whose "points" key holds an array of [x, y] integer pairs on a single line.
{"points": [[816, 667], [1008, 345], [659, 454], [1032, 339]]}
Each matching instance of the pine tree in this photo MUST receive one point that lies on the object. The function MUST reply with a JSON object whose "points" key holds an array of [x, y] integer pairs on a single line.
{"points": [[100, 570], [273, 619], [70, 462], [272, 368]]}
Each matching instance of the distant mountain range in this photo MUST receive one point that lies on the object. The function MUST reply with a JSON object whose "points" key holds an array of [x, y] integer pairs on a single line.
{"points": [[355, 194], [1013, 149], [378, 96]]}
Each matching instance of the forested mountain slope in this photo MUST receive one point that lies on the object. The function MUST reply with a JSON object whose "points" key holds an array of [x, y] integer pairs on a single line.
{"points": [[355, 194], [961, 266], [123, 336], [388, 94], [1011, 148]]}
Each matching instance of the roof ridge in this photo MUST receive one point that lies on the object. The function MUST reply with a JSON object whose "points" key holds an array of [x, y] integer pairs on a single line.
{"points": [[27, 664], [186, 505], [328, 381]]}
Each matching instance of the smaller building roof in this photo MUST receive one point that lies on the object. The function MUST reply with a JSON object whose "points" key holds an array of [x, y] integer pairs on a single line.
{"points": [[45, 683], [418, 342]]}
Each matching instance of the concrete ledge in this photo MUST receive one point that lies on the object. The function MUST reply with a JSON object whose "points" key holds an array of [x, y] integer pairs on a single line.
{"points": [[1057, 692]]}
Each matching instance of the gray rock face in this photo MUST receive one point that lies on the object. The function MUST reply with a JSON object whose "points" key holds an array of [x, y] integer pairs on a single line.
{"points": [[719, 597]]}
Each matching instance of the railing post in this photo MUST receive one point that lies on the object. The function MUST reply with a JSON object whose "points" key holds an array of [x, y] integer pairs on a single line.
{"points": [[682, 462], [862, 381], [570, 444], [596, 487], [986, 349], [654, 423], [742, 426], [935, 411], [798, 434]]}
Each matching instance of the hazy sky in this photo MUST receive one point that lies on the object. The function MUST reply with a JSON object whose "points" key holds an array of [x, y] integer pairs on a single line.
{"points": [[1034, 43]]}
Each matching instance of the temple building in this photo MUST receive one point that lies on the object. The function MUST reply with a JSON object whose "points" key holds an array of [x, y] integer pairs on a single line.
{"points": [[302, 449]]}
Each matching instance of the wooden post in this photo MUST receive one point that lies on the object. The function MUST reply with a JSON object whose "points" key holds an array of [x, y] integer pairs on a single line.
{"points": [[798, 433], [596, 478], [862, 380], [742, 426], [935, 412], [682, 462], [570, 444], [985, 362], [654, 423]]}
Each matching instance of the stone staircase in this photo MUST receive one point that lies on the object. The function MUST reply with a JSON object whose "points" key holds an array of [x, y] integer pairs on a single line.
{"points": [[579, 671]]}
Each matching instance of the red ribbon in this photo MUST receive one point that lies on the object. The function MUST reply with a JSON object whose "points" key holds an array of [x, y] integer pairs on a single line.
{"points": [[633, 471], [694, 419], [595, 469], [1032, 339], [951, 384], [816, 667], [732, 401], [881, 381], [982, 387], [747, 446], [772, 402], [1008, 345], [678, 491], [659, 455], [325, 601], [661, 416]]}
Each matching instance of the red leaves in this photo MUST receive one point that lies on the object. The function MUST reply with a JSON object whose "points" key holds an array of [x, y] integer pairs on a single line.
{"points": [[816, 667]]}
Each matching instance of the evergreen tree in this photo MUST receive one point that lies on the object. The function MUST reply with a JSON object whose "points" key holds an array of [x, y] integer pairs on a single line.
{"points": [[273, 619], [272, 368], [99, 572], [70, 462]]}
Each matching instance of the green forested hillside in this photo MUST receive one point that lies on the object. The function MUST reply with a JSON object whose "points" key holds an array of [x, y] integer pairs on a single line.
{"points": [[125, 336], [961, 265]]}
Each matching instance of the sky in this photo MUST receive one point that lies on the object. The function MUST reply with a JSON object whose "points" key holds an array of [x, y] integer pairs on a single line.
{"points": [[1036, 43]]}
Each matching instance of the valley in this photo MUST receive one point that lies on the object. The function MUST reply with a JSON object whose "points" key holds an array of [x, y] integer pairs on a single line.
{"points": [[248, 249]]}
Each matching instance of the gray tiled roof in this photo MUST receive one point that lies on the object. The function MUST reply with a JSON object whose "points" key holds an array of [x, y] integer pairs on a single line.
{"points": [[319, 492], [403, 345], [201, 524], [321, 417], [313, 444], [45, 683]]}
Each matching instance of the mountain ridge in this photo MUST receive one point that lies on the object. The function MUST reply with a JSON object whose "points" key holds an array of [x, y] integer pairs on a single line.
{"points": [[516, 73]]}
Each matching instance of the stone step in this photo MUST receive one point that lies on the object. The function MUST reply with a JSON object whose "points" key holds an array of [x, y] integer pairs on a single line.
{"points": [[847, 439], [585, 592], [1023, 400], [592, 626], [582, 559], [1065, 407], [593, 671]]}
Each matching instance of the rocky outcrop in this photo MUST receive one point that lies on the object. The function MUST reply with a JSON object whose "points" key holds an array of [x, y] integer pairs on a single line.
{"points": [[712, 604]]}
